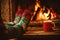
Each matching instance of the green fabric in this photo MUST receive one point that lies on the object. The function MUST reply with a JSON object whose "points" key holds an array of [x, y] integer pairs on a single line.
{"points": [[22, 21], [25, 20], [16, 20], [8, 25], [15, 32]]}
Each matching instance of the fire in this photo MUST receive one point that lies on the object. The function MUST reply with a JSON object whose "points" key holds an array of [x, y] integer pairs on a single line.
{"points": [[41, 15], [44, 13], [36, 7], [50, 14]]}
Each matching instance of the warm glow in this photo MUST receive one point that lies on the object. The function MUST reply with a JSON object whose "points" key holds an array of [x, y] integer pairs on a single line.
{"points": [[44, 13], [45, 16], [41, 15], [36, 7]]}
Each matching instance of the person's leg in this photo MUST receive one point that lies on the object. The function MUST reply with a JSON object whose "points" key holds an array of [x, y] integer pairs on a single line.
{"points": [[14, 31], [18, 29], [10, 24], [17, 19], [26, 16]]}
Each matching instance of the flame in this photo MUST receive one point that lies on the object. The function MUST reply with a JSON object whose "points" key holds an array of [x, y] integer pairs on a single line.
{"points": [[45, 16], [41, 15], [36, 7]]}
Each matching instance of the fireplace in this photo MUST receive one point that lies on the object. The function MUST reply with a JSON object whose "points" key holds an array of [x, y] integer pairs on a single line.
{"points": [[43, 10], [46, 15]]}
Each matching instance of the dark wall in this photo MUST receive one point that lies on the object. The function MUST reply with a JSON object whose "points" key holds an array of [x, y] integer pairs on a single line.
{"points": [[24, 3], [55, 4], [0, 12], [48, 3]]}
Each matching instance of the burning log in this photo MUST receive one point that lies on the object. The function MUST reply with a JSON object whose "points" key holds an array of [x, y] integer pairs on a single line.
{"points": [[34, 18], [37, 6]]}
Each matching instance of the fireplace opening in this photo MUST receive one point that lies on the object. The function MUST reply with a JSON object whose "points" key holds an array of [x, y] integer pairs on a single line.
{"points": [[43, 10]]}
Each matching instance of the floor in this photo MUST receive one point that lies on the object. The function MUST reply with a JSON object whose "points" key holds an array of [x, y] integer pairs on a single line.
{"points": [[40, 31], [36, 32]]}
